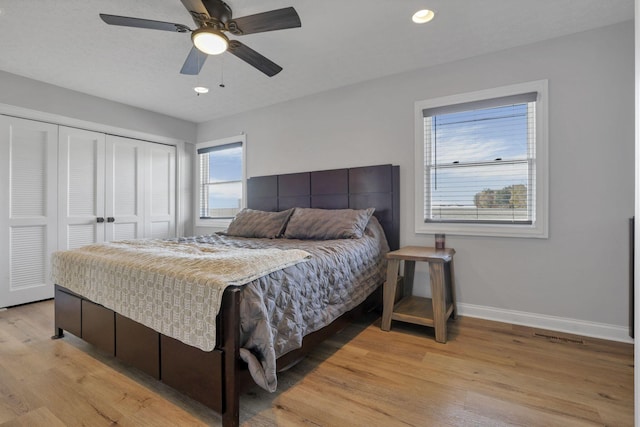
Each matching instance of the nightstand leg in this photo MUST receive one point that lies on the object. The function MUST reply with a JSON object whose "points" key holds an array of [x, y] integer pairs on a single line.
{"points": [[436, 277], [389, 293], [409, 274], [452, 283]]}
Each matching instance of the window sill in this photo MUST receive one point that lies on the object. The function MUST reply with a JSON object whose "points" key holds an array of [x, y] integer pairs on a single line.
{"points": [[213, 223], [487, 230]]}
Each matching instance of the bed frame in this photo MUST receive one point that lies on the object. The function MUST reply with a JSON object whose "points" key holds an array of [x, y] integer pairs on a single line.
{"points": [[217, 378]]}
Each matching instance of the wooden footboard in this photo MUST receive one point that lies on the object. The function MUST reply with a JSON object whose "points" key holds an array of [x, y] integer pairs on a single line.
{"points": [[213, 378]]}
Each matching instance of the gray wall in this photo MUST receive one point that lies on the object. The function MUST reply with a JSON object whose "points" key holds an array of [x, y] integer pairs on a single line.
{"points": [[581, 271], [38, 96]]}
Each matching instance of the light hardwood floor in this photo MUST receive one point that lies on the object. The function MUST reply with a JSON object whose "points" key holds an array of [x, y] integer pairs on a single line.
{"points": [[487, 374]]}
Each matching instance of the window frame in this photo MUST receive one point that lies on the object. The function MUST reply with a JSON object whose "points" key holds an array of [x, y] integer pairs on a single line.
{"points": [[539, 226], [218, 222]]}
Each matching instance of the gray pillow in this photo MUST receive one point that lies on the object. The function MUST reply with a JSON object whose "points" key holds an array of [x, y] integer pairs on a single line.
{"points": [[327, 224], [261, 224]]}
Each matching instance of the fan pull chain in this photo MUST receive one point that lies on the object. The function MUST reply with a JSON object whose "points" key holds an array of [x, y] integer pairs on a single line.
{"points": [[221, 73]]}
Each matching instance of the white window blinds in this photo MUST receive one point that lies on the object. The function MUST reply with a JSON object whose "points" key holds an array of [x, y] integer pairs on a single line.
{"points": [[221, 176], [479, 160]]}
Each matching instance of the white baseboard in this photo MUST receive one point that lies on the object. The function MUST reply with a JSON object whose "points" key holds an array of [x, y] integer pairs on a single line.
{"points": [[560, 324]]}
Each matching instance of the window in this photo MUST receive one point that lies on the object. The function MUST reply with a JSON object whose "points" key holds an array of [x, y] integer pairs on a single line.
{"points": [[221, 180], [481, 163]]}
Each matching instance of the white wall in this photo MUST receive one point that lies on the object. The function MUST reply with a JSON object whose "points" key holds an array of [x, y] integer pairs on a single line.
{"points": [[576, 280], [31, 99]]}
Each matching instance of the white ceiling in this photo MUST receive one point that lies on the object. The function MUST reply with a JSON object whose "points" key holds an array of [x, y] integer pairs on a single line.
{"points": [[341, 42]]}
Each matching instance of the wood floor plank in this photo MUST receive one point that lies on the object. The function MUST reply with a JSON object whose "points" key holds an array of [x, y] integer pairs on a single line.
{"points": [[512, 413], [15, 399], [526, 389], [38, 417], [487, 374]]}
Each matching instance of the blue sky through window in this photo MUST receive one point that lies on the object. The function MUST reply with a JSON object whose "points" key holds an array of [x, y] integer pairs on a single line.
{"points": [[475, 150], [224, 166]]}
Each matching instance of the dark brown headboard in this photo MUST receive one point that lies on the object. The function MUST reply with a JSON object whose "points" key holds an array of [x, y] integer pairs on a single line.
{"points": [[352, 188]]}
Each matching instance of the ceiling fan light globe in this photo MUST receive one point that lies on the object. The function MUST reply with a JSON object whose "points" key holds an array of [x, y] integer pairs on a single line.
{"points": [[210, 41]]}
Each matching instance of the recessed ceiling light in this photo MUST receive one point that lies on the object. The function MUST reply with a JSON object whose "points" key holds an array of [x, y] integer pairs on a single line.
{"points": [[201, 89], [423, 16]]}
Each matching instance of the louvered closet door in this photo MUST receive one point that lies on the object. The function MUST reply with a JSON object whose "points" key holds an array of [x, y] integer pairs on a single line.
{"points": [[124, 176], [28, 222], [160, 191], [81, 179]]}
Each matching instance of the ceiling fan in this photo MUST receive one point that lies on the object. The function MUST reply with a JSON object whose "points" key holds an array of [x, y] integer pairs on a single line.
{"points": [[213, 19]]}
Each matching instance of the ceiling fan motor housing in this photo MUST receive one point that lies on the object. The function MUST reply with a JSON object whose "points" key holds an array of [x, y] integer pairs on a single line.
{"points": [[218, 9]]}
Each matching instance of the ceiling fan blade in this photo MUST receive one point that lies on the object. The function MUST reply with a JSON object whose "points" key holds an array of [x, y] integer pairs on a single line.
{"points": [[278, 19], [197, 10], [126, 21], [194, 62], [253, 58], [195, 6]]}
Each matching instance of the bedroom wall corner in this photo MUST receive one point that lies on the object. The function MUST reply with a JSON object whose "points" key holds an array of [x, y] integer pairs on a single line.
{"points": [[186, 189]]}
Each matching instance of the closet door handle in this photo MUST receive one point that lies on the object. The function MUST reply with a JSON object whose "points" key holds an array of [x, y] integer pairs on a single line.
{"points": [[100, 220], [111, 219]]}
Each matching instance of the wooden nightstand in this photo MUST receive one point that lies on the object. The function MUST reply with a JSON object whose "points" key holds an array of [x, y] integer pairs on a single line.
{"points": [[432, 311]]}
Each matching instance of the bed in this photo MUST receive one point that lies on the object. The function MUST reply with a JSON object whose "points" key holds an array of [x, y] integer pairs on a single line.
{"points": [[215, 374]]}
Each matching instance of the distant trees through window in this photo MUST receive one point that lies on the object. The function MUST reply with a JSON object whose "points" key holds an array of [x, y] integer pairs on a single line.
{"points": [[512, 196]]}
